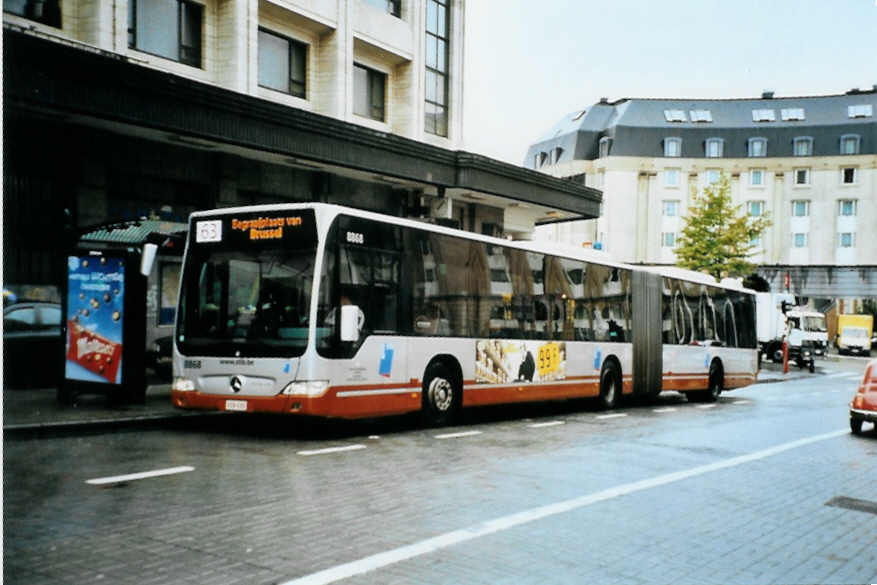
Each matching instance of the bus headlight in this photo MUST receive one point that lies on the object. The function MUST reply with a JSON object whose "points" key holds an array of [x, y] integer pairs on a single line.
{"points": [[309, 388], [183, 385]]}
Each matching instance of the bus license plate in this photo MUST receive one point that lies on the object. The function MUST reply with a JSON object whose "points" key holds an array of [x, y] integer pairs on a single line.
{"points": [[238, 405]]}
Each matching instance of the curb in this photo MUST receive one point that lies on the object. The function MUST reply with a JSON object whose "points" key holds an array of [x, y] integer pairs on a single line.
{"points": [[65, 427]]}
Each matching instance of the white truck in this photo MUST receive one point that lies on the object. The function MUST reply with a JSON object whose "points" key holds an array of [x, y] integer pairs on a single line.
{"points": [[777, 315], [812, 327]]}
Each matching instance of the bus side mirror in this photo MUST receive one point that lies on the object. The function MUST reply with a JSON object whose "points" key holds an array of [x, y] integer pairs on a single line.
{"points": [[148, 258], [350, 322]]}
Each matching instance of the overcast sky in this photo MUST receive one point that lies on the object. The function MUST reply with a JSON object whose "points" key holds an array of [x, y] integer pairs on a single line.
{"points": [[530, 62]]}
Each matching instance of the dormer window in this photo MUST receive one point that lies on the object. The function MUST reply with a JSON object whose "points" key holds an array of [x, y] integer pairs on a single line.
{"points": [[757, 147], [849, 144], [555, 155], [539, 159], [700, 115], [860, 111], [605, 146], [673, 147], [803, 146], [764, 115], [714, 147], [675, 116], [792, 114]]}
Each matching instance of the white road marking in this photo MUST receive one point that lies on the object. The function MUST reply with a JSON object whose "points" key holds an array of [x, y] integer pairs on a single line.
{"points": [[542, 425], [668, 409], [326, 451], [430, 545], [742, 402], [837, 375], [141, 475], [705, 406], [605, 416], [458, 435]]}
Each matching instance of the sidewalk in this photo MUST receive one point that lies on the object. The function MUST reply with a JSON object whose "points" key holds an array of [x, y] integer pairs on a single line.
{"points": [[771, 373], [27, 410]]}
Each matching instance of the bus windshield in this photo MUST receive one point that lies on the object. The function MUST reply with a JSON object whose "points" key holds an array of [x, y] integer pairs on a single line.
{"points": [[247, 299]]}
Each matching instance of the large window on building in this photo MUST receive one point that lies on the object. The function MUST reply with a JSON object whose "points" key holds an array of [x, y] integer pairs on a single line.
{"points": [[672, 147], [714, 147], [757, 147], [436, 98], [389, 6], [167, 28], [369, 87], [756, 177], [764, 115], [803, 146], [860, 111], [800, 208], [282, 64], [849, 144], [755, 208], [848, 175], [847, 207], [802, 176], [42, 11], [846, 239], [793, 114]]}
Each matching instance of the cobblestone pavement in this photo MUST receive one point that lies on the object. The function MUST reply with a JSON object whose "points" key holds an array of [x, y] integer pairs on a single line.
{"points": [[670, 492]]}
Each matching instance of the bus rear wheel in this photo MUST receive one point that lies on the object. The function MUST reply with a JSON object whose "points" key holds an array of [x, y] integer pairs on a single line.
{"points": [[716, 384], [442, 395], [610, 385]]}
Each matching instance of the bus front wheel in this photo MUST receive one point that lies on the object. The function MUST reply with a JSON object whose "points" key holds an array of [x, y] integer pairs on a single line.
{"points": [[442, 395]]}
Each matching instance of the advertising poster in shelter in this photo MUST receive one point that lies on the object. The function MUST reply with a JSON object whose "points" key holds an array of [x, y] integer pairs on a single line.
{"points": [[95, 312]]}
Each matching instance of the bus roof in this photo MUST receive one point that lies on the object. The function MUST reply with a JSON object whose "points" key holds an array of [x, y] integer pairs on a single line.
{"points": [[570, 252]]}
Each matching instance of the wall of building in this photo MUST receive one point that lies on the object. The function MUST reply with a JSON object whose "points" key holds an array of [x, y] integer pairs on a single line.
{"points": [[636, 187], [338, 33]]}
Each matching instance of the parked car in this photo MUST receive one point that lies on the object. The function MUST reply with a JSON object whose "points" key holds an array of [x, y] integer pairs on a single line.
{"points": [[32, 344], [864, 405]]}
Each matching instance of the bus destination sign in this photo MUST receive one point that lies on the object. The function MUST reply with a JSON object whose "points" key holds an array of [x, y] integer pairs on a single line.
{"points": [[266, 228], [256, 228]]}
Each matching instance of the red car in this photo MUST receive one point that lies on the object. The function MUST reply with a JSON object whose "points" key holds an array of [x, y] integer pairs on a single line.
{"points": [[864, 405]]}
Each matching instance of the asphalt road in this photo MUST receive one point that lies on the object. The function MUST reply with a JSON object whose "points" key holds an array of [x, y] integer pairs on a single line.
{"points": [[767, 486]]}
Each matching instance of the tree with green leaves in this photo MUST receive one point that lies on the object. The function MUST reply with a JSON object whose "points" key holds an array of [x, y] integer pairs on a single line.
{"points": [[717, 237]]}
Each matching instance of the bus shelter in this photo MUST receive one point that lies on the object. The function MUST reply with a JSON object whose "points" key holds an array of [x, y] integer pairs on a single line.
{"points": [[116, 318]]}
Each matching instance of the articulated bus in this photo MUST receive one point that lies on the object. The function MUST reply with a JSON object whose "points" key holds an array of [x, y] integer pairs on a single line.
{"points": [[321, 310]]}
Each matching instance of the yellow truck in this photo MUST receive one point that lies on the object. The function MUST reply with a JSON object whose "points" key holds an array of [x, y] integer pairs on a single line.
{"points": [[854, 334]]}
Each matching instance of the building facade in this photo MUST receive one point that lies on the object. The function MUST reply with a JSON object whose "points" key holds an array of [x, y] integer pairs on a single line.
{"points": [[808, 162], [122, 109]]}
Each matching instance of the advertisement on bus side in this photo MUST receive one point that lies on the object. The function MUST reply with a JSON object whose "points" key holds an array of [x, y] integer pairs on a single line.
{"points": [[500, 362]]}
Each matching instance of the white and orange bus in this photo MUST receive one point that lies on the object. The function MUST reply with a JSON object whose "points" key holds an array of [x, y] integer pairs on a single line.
{"points": [[317, 309]]}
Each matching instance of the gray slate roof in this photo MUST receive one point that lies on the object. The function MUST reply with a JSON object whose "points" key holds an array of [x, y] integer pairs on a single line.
{"points": [[638, 127]]}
